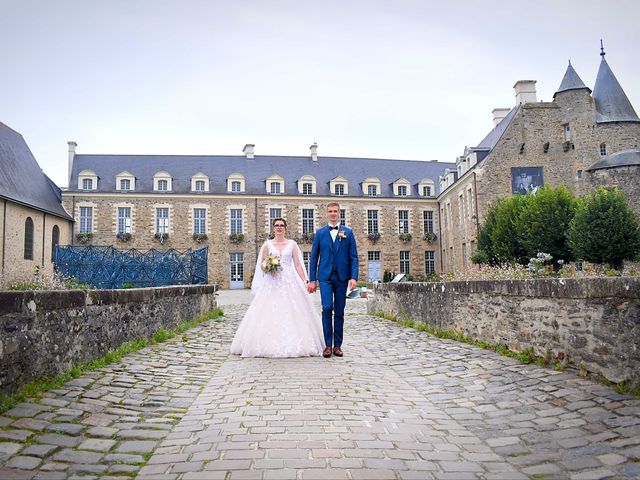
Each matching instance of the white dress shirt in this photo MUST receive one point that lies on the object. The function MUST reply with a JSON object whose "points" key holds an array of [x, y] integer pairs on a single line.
{"points": [[334, 233]]}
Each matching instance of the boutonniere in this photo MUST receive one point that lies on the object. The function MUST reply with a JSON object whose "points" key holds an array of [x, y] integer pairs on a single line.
{"points": [[341, 235]]}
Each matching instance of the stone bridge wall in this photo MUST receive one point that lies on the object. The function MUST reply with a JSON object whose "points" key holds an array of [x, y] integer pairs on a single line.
{"points": [[593, 321], [47, 332]]}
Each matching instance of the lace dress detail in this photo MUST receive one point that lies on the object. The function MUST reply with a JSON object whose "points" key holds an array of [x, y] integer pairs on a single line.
{"points": [[282, 320]]}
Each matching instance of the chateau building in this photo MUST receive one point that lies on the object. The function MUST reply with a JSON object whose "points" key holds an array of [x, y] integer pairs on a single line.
{"points": [[228, 203], [33, 220], [581, 139]]}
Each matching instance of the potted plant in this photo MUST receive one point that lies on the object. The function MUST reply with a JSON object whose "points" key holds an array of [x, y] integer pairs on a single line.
{"points": [[84, 237], [308, 237], [123, 237], [430, 236], [161, 237], [405, 237], [374, 236], [236, 238], [200, 237]]}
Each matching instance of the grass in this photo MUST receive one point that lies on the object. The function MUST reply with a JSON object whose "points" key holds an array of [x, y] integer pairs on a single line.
{"points": [[527, 356], [44, 384]]}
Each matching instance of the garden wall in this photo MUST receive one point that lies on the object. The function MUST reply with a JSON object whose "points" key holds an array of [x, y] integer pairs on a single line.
{"points": [[595, 322], [47, 332]]}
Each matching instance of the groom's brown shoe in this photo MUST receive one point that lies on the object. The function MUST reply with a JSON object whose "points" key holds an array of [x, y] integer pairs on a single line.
{"points": [[327, 352], [337, 351]]}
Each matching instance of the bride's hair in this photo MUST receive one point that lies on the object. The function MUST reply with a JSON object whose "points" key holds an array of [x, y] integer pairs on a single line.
{"points": [[279, 219]]}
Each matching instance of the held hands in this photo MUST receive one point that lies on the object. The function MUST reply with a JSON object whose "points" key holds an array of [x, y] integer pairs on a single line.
{"points": [[311, 287]]}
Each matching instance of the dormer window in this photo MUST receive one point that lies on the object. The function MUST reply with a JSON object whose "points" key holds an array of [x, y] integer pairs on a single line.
{"points": [[307, 185], [371, 186], [401, 187], [200, 182], [235, 183], [275, 184], [87, 180], [426, 187], [125, 181], [603, 149], [162, 182], [339, 186]]}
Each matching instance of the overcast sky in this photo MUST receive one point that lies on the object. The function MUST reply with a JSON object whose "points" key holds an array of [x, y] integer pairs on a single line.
{"points": [[395, 79]]}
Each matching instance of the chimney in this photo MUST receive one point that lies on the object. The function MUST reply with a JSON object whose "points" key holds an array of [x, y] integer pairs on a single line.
{"points": [[72, 153], [314, 151], [525, 91], [499, 114], [248, 150]]}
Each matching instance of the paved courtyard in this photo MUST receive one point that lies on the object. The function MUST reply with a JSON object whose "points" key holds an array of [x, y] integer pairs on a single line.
{"points": [[399, 405]]}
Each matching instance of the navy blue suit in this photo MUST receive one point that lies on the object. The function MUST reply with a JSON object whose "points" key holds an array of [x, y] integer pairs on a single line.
{"points": [[333, 264]]}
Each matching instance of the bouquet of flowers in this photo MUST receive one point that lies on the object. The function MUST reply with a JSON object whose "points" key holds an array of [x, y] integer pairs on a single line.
{"points": [[271, 264]]}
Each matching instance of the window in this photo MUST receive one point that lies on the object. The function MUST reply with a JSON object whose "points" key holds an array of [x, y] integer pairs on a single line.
{"points": [[28, 239], [427, 221], [86, 219], [308, 225], [372, 221], [603, 149], [429, 262], [200, 185], [275, 187], [579, 175], [200, 220], [372, 190], [125, 184], [55, 241], [124, 220], [236, 183], [338, 189], [373, 256], [460, 210], [235, 215], [236, 186], [273, 214], [402, 190], [464, 255], [163, 185], [567, 132], [403, 221], [305, 258], [87, 184], [307, 188], [404, 262], [470, 205], [426, 191], [343, 216], [162, 220]]}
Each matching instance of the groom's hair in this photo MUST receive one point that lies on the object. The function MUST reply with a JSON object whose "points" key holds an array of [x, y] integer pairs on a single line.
{"points": [[333, 204]]}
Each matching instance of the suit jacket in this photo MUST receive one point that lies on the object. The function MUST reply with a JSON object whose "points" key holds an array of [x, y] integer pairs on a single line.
{"points": [[327, 255]]}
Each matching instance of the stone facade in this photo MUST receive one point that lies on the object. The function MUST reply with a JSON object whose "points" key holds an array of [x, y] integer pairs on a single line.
{"points": [[627, 179], [591, 321], [12, 240], [47, 332], [256, 227], [537, 137]]}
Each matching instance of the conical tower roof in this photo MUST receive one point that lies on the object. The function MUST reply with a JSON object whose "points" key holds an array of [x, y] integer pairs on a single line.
{"points": [[612, 104], [571, 81]]}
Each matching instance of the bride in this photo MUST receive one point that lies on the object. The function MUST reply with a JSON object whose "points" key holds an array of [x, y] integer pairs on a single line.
{"points": [[281, 320]]}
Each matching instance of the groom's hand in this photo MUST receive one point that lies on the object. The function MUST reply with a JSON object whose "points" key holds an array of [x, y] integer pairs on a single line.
{"points": [[352, 284], [311, 287]]}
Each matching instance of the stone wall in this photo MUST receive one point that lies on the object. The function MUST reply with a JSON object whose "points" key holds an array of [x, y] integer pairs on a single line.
{"points": [[47, 332], [595, 322]]}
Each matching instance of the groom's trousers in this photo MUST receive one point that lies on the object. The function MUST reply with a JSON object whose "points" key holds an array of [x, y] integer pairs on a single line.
{"points": [[333, 294]]}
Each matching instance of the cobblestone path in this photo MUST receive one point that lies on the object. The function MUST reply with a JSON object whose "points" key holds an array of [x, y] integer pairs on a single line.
{"points": [[399, 405]]}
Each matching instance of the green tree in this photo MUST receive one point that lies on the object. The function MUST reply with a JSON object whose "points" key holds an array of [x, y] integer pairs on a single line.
{"points": [[604, 229], [543, 223], [485, 254], [506, 237]]}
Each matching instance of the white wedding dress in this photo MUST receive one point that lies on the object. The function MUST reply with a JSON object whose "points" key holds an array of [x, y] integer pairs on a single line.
{"points": [[282, 320]]}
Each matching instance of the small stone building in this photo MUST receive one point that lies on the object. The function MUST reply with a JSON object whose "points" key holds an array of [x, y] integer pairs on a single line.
{"points": [[33, 219]]}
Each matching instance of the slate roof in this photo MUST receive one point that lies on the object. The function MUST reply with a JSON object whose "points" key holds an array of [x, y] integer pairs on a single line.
{"points": [[612, 104], [571, 81], [624, 158], [255, 172], [494, 135], [21, 179]]}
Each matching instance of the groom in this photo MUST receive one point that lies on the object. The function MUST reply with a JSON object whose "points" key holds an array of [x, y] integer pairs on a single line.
{"points": [[334, 265]]}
